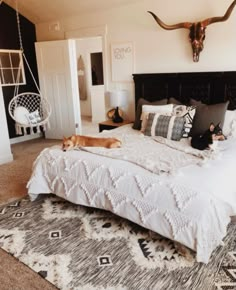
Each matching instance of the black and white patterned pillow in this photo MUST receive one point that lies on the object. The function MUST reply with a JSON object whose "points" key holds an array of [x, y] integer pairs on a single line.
{"points": [[170, 127], [188, 112], [34, 117]]}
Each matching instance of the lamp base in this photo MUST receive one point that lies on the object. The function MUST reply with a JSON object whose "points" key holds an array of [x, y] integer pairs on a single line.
{"points": [[116, 118]]}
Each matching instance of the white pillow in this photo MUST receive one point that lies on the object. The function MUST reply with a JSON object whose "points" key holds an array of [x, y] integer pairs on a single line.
{"points": [[21, 115], [230, 116], [146, 109], [233, 132]]}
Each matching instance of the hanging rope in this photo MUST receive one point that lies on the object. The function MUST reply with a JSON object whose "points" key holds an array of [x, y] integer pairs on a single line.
{"points": [[21, 45], [18, 27], [29, 109], [31, 73]]}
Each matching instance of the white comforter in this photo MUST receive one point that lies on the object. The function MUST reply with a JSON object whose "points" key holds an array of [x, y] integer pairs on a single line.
{"points": [[156, 154], [192, 206]]}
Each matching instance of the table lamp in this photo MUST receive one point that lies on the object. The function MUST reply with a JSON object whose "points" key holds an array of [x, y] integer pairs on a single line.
{"points": [[118, 99]]}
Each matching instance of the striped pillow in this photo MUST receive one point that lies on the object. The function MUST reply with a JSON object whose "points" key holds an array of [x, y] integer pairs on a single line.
{"points": [[146, 109], [170, 127]]}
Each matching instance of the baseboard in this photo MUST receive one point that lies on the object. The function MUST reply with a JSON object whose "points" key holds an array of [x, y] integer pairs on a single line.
{"points": [[6, 159], [25, 138]]}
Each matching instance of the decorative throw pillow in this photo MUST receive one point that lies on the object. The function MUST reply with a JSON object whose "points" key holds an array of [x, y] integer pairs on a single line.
{"points": [[233, 129], [174, 101], [170, 127], [188, 112], [34, 117], [207, 114], [230, 118], [195, 102], [146, 109], [141, 102]]}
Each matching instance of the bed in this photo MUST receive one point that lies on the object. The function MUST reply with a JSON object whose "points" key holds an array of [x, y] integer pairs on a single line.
{"points": [[188, 197]]}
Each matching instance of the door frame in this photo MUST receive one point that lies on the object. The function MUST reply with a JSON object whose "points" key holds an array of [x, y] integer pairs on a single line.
{"points": [[85, 47], [93, 32]]}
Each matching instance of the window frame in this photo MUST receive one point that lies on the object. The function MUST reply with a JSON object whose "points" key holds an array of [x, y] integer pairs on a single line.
{"points": [[11, 71]]}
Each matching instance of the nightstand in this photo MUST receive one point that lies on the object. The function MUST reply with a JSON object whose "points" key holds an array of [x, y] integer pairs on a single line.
{"points": [[109, 125]]}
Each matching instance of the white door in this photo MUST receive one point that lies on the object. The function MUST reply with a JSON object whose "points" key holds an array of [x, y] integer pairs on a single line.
{"points": [[57, 70]]}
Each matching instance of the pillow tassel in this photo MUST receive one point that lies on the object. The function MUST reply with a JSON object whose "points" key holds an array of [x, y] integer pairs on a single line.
{"points": [[31, 130], [18, 129], [38, 129]]}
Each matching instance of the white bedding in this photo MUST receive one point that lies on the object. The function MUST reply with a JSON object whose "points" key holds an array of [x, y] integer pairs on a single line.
{"points": [[155, 154], [192, 206]]}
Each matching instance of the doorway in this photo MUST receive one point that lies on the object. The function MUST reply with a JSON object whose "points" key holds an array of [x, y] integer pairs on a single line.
{"points": [[99, 106], [91, 78]]}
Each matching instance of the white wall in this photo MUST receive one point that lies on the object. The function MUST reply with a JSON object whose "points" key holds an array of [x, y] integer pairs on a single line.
{"points": [[156, 49], [5, 149]]}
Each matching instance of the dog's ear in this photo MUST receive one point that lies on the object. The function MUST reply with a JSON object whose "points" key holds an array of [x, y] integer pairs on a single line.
{"points": [[73, 138], [212, 127], [64, 138]]}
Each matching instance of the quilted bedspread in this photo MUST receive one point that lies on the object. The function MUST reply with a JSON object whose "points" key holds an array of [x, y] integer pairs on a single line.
{"points": [[192, 216]]}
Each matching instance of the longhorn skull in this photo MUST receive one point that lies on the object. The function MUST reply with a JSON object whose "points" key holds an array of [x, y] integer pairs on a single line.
{"points": [[196, 29]]}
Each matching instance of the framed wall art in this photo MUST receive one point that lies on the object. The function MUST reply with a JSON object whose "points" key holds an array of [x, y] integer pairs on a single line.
{"points": [[122, 61]]}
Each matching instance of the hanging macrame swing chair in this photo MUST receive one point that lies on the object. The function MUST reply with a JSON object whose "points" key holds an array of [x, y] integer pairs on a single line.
{"points": [[29, 109]]}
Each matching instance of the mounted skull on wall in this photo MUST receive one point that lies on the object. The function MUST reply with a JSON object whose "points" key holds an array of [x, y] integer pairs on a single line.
{"points": [[196, 29]]}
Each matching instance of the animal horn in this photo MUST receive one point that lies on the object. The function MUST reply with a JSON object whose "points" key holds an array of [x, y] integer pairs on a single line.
{"points": [[211, 20], [171, 27]]}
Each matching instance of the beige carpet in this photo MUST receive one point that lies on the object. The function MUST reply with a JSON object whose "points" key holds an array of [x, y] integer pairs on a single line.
{"points": [[13, 179]]}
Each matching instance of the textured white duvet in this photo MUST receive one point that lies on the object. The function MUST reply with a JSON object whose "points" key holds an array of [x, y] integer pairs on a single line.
{"points": [[192, 206], [156, 154]]}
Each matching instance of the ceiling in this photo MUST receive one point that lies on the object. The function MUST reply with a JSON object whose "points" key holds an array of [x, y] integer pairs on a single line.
{"points": [[38, 11]]}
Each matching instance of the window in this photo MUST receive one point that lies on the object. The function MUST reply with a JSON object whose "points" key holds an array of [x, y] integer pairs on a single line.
{"points": [[11, 67]]}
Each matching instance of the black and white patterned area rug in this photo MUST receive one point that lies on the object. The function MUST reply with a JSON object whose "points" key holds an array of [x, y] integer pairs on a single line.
{"points": [[78, 248]]}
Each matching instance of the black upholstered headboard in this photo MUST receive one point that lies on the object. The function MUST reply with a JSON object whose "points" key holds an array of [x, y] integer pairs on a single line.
{"points": [[208, 87]]}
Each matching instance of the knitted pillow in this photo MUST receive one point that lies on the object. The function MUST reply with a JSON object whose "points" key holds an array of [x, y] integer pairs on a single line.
{"points": [[146, 109], [170, 127]]}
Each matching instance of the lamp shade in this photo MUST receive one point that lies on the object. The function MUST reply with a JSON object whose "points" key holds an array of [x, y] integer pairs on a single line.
{"points": [[118, 98]]}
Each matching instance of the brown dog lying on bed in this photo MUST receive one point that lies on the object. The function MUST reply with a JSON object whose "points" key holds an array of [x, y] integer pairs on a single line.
{"points": [[76, 141]]}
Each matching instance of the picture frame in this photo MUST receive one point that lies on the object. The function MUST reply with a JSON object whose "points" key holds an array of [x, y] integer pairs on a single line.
{"points": [[122, 61]]}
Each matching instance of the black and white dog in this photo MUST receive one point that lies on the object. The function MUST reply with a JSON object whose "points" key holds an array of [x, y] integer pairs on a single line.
{"points": [[204, 141]]}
